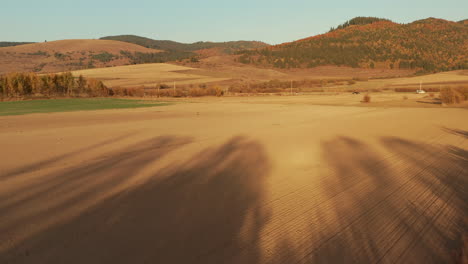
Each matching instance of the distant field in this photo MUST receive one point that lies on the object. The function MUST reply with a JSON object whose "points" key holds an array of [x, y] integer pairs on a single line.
{"points": [[69, 105], [431, 80], [452, 77], [236, 70], [147, 75], [218, 69]]}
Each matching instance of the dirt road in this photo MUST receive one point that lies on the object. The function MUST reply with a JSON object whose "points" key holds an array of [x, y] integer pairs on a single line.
{"points": [[235, 182]]}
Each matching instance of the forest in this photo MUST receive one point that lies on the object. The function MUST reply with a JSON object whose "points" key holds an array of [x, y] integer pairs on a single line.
{"points": [[427, 45]]}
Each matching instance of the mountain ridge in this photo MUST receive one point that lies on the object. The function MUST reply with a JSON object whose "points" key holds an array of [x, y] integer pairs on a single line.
{"points": [[429, 44], [171, 45]]}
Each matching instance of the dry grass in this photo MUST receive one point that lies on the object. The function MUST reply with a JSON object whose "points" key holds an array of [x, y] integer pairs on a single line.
{"points": [[451, 76], [75, 45], [452, 95], [361, 79], [412, 90], [64, 55], [148, 75], [366, 98]]}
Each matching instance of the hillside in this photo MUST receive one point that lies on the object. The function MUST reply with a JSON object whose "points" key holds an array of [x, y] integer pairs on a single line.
{"points": [[65, 55], [73, 45], [68, 55], [426, 45], [168, 45], [11, 44]]}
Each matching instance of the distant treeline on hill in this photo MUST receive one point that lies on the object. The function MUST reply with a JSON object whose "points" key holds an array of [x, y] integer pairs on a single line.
{"points": [[28, 84], [187, 49], [426, 45], [11, 44], [359, 21], [173, 51], [156, 57]]}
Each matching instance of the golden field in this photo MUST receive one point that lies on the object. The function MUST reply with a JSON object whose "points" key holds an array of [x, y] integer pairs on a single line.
{"points": [[260, 179]]}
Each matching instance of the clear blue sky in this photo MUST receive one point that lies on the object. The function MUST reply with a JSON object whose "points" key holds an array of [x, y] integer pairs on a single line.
{"points": [[272, 21]]}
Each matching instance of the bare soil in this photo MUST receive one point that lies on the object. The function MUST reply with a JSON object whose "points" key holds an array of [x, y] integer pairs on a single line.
{"points": [[235, 180]]}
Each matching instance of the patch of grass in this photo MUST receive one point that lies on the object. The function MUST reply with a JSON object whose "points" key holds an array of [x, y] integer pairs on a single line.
{"points": [[69, 105]]}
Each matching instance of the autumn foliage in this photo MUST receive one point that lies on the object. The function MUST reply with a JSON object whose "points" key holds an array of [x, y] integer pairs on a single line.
{"points": [[166, 91], [427, 45], [65, 84], [454, 95]]}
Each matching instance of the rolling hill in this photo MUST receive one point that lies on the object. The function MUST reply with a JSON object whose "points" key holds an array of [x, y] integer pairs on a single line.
{"points": [[11, 44], [168, 45], [77, 54], [66, 55], [426, 45]]}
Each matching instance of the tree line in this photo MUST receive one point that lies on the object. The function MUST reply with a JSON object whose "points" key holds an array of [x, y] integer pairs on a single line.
{"points": [[359, 21], [63, 84], [172, 46], [156, 57]]}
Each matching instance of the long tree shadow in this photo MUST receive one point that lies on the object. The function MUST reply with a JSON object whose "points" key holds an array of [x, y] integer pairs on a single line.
{"points": [[358, 186], [409, 206], [35, 204], [204, 210], [458, 132], [5, 175], [446, 168], [430, 101]]}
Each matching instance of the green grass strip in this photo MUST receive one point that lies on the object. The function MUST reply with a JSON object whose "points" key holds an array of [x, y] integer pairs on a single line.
{"points": [[69, 105]]}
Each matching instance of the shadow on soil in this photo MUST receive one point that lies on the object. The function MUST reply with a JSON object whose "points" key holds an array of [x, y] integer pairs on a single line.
{"points": [[46, 163], [457, 132], [430, 101], [204, 210], [407, 207]]}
